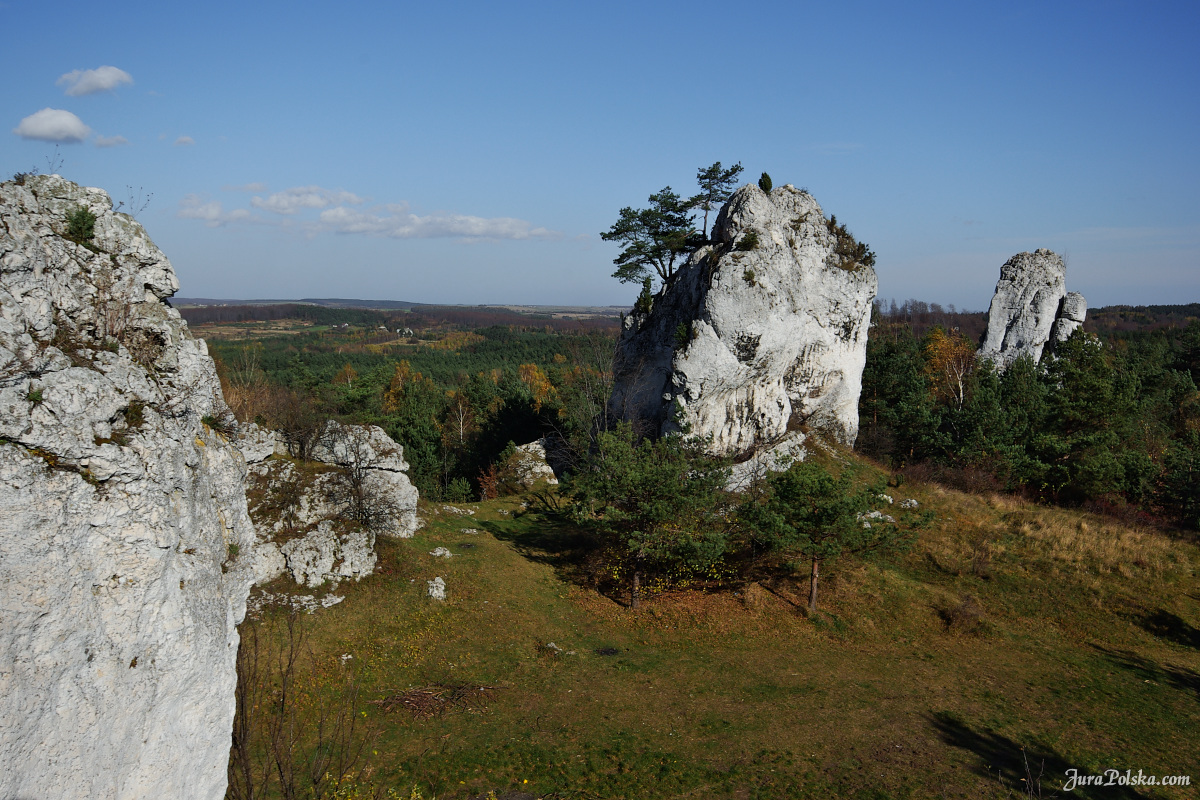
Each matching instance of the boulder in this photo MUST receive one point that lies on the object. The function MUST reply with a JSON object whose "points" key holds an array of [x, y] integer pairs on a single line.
{"points": [[367, 452], [758, 338], [368, 446], [124, 541], [1030, 309], [256, 443], [324, 554], [531, 465]]}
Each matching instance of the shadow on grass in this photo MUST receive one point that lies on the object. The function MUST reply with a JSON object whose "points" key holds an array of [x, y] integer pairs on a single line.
{"points": [[1165, 625], [1003, 762], [547, 539], [1179, 678]]}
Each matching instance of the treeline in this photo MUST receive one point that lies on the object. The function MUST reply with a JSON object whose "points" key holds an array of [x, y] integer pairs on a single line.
{"points": [[1123, 319], [419, 318], [455, 408], [920, 317], [486, 317], [1113, 423], [317, 315]]}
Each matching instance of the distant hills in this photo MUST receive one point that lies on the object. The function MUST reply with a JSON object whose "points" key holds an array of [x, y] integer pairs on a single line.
{"points": [[326, 302], [401, 305]]}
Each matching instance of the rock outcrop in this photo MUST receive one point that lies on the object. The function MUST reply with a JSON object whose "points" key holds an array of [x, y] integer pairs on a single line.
{"points": [[124, 514], [1031, 309], [758, 337], [324, 554], [318, 520], [531, 465]]}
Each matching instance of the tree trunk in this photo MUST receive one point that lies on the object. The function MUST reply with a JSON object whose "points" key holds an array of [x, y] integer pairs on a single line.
{"points": [[636, 590], [812, 588]]}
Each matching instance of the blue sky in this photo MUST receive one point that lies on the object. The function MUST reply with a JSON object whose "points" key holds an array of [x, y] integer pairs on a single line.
{"points": [[472, 152]]}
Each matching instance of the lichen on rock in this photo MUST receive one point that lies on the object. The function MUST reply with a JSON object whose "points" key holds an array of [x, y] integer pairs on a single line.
{"points": [[124, 515]]}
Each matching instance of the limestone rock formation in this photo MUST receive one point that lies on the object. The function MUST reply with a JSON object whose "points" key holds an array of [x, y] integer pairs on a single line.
{"points": [[124, 514], [758, 336], [256, 443], [318, 520], [531, 465], [367, 452], [1030, 309], [324, 554]]}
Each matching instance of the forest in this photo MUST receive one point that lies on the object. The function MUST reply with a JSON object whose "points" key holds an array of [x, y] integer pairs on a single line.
{"points": [[1110, 423]]}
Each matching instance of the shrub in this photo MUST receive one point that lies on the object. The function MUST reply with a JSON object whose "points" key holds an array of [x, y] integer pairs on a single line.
{"points": [[749, 241], [849, 252], [764, 183], [81, 225], [645, 299], [748, 276], [34, 396], [683, 334], [224, 424], [650, 503]]}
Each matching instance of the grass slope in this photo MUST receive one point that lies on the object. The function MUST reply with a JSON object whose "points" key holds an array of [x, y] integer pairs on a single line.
{"points": [[1008, 632]]}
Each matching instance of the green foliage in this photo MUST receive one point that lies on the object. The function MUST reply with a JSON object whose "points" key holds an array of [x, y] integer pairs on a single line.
{"points": [[653, 238], [34, 396], [683, 335], [1112, 424], [764, 182], [653, 502], [749, 241], [645, 298], [81, 225], [716, 184], [459, 491], [850, 252], [224, 424], [748, 276], [810, 512]]}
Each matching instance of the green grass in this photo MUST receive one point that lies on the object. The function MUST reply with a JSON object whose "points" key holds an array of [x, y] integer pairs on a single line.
{"points": [[1086, 654]]}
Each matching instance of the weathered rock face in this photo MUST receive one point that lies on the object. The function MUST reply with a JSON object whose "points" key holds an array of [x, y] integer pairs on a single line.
{"points": [[324, 554], [749, 342], [123, 513], [531, 465], [1030, 309], [304, 514]]}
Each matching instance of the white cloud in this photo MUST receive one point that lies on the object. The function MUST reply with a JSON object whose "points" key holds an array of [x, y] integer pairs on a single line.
{"points": [[110, 141], [89, 81], [193, 206], [184, 140], [53, 125], [396, 223], [289, 201], [247, 187], [392, 221]]}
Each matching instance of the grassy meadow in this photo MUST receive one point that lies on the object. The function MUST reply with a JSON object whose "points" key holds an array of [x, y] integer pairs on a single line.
{"points": [[1008, 634]]}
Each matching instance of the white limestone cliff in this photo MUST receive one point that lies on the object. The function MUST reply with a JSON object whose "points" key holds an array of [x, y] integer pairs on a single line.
{"points": [[751, 343], [1031, 309], [124, 515]]}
